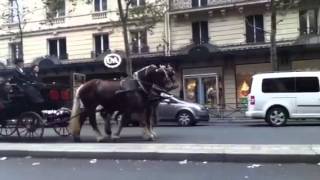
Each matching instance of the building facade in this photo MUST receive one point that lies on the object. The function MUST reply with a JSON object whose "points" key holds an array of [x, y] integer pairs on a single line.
{"points": [[215, 45]]}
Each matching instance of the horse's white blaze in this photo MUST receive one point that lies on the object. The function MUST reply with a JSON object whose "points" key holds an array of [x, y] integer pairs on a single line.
{"points": [[74, 124]]}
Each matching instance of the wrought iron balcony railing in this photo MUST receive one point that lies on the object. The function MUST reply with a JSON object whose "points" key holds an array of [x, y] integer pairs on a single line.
{"points": [[188, 4]]}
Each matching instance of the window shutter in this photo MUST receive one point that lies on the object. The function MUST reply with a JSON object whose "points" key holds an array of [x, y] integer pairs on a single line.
{"points": [[96, 5], [134, 2], [204, 32], [196, 33], [97, 41], [259, 28], [105, 42], [303, 22], [249, 29], [63, 48], [142, 2]]}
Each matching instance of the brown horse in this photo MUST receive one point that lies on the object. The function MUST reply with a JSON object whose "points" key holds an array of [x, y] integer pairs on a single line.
{"points": [[119, 96]]}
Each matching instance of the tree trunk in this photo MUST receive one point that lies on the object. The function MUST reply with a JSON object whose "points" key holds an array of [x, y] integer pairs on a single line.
{"points": [[125, 38], [20, 33], [273, 45]]}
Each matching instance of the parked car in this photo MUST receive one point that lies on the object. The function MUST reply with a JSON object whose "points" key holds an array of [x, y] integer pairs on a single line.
{"points": [[277, 97], [173, 109], [182, 112]]}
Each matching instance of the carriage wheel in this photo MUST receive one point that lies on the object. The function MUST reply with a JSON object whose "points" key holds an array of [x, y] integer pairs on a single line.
{"points": [[62, 128], [30, 125], [62, 131], [8, 128]]}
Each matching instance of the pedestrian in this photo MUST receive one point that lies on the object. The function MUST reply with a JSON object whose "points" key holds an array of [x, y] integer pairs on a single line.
{"points": [[34, 77]]}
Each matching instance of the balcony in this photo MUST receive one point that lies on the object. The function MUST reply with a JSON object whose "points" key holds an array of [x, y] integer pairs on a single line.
{"points": [[176, 5], [99, 15]]}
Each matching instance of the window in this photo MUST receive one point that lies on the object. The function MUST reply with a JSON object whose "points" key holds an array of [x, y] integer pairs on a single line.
{"points": [[101, 42], [278, 85], [16, 7], [307, 84], [138, 3], [199, 3], [200, 32], [15, 50], [309, 22], [289, 85], [58, 48], [58, 9], [100, 5], [139, 41], [254, 29]]}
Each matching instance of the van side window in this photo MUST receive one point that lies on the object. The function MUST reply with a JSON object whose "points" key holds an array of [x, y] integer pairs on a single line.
{"points": [[278, 85], [307, 84]]}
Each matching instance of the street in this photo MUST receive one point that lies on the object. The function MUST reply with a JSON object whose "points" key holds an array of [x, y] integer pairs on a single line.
{"points": [[84, 169], [206, 133]]}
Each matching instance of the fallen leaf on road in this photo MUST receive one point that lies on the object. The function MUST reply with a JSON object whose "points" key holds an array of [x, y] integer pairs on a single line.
{"points": [[205, 162], [117, 161], [144, 160], [3, 158], [93, 161], [183, 162], [246, 177], [318, 164], [28, 157], [36, 164], [254, 166], [279, 164]]}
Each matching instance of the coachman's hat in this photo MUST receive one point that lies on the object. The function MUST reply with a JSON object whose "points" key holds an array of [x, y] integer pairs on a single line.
{"points": [[18, 60]]}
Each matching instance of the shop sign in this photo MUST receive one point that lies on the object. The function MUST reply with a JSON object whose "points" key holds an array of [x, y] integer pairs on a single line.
{"points": [[112, 60]]}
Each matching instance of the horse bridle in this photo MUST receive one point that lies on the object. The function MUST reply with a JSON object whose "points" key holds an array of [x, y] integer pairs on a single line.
{"points": [[153, 85]]}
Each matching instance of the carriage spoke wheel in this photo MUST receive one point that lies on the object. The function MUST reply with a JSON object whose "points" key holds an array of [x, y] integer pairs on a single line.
{"points": [[61, 128], [30, 125], [8, 128], [62, 131]]}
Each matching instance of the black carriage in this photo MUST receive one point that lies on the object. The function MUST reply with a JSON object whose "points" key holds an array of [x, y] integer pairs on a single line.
{"points": [[19, 116]]}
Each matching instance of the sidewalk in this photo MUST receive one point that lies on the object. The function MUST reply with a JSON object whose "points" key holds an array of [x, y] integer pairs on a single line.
{"points": [[190, 152]]}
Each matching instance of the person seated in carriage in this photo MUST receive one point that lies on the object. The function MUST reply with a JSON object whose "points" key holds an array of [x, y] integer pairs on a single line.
{"points": [[25, 84]]}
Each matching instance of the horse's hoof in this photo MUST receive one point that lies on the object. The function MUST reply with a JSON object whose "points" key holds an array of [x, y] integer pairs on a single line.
{"points": [[115, 137], [100, 139], [154, 134], [149, 137]]}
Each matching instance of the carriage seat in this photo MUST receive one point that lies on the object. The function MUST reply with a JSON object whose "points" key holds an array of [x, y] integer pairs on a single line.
{"points": [[128, 84]]}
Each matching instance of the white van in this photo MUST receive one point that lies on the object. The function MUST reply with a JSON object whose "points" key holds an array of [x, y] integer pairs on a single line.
{"points": [[277, 97]]}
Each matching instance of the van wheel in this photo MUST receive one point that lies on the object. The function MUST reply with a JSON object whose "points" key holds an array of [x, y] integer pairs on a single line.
{"points": [[277, 116]]}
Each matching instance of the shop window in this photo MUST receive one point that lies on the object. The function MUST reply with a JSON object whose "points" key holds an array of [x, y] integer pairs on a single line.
{"points": [[199, 3], [191, 87], [101, 42], [58, 48], [100, 5], [200, 32], [244, 81], [309, 22], [254, 29]]}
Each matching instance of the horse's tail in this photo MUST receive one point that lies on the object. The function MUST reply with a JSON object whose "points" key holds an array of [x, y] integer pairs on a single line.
{"points": [[74, 124]]}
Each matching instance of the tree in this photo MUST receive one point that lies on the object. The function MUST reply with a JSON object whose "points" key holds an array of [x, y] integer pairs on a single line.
{"points": [[145, 15], [14, 20]]}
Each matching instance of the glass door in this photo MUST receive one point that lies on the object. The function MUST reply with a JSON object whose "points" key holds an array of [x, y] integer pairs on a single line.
{"points": [[202, 88]]}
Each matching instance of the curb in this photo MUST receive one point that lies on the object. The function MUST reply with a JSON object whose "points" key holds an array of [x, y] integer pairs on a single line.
{"points": [[191, 152]]}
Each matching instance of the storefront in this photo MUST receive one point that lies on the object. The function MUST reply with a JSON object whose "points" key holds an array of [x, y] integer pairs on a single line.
{"points": [[203, 86]]}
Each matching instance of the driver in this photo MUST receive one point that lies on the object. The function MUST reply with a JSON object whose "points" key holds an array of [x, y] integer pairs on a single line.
{"points": [[25, 84]]}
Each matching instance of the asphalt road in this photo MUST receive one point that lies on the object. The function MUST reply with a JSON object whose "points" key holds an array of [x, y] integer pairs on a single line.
{"points": [[85, 169], [212, 133]]}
